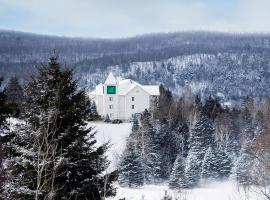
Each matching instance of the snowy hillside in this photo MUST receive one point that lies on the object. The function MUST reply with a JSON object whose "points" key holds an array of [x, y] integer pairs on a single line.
{"points": [[235, 65], [233, 75]]}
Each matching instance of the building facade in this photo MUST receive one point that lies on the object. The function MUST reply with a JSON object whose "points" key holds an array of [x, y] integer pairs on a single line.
{"points": [[122, 98]]}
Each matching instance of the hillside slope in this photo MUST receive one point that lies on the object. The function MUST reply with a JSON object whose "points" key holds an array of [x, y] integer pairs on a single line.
{"points": [[233, 64]]}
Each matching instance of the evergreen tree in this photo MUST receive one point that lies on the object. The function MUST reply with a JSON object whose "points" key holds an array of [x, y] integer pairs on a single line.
{"points": [[5, 111], [93, 116], [247, 112], [164, 103], [177, 177], [150, 148], [72, 166], [216, 165], [107, 119], [201, 138], [15, 95], [135, 125], [233, 145], [244, 165], [131, 167], [4, 108]]}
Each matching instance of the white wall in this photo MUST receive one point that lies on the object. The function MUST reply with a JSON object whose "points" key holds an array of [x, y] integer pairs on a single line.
{"points": [[122, 104], [141, 101]]}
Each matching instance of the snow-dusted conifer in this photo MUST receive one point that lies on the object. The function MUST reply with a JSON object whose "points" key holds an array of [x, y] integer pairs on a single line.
{"points": [[177, 177], [244, 165], [150, 148], [107, 119], [201, 138], [216, 165], [72, 166], [131, 167], [15, 95]]}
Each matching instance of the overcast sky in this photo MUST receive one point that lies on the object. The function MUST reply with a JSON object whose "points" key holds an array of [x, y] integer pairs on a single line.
{"points": [[123, 18]]}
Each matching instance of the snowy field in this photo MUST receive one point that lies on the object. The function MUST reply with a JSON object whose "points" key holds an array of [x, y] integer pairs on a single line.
{"points": [[117, 134], [217, 191]]}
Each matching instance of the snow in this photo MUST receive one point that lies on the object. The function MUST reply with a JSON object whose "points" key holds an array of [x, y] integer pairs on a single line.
{"points": [[116, 134], [124, 86], [216, 191], [110, 79]]}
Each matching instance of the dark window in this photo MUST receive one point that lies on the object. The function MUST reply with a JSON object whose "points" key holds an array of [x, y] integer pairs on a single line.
{"points": [[132, 98], [132, 106]]}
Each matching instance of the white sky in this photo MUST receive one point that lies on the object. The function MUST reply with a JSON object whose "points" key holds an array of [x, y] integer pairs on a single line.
{"points": [[122, 18]]}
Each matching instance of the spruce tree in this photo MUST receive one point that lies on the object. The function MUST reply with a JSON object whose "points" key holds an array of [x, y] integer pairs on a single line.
{"points": [[107, 119], [72, 166], [93, 116], [131, 167], [216, 165], [15, 95], [244, 165], [201, 138], [177, 177], [5, 111], [150, 148]]}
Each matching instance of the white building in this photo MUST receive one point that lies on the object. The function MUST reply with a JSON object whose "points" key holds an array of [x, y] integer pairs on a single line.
{"points": [[122, 98]]}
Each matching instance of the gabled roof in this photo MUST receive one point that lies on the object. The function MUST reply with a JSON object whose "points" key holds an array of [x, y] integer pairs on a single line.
{"points": [[110, 79], [125, 86]]}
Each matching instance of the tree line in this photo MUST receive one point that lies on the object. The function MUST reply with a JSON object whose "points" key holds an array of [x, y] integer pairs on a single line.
{"points": [[188, 142]]}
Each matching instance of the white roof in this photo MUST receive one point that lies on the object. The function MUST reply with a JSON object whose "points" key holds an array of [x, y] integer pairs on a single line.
{"points": [[125, 86], [110, 79]]}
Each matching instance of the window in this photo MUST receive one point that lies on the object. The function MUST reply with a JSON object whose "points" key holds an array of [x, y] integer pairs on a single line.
{"points": [[110, 98], [110, 106], [111, 89], [132, 106], [132, 98], [111, 115]]}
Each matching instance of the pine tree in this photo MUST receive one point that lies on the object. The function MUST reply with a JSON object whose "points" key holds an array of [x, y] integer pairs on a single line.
{"points": [[93, 116], [201, 138], [5, 111], [135, 125], [150, 148], [177, 177], [72, 166], [131, 167], [4, 108], [107, 119], [15, 95], [233, 145], [244, 165], [216, 165], [247, 110]]}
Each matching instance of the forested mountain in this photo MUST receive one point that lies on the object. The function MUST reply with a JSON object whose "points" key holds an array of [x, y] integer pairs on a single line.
{"points": [[233, 65]]}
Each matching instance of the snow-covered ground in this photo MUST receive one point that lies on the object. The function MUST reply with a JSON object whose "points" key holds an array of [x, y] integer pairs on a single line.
{"points": [[117, 134], [215, 191]]}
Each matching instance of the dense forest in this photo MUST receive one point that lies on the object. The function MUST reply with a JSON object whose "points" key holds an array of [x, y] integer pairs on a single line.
{"points": [[190, 142], [231, 66]]}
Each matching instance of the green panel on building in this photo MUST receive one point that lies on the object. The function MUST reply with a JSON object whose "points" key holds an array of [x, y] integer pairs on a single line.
{"points": [[111, 89]]}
